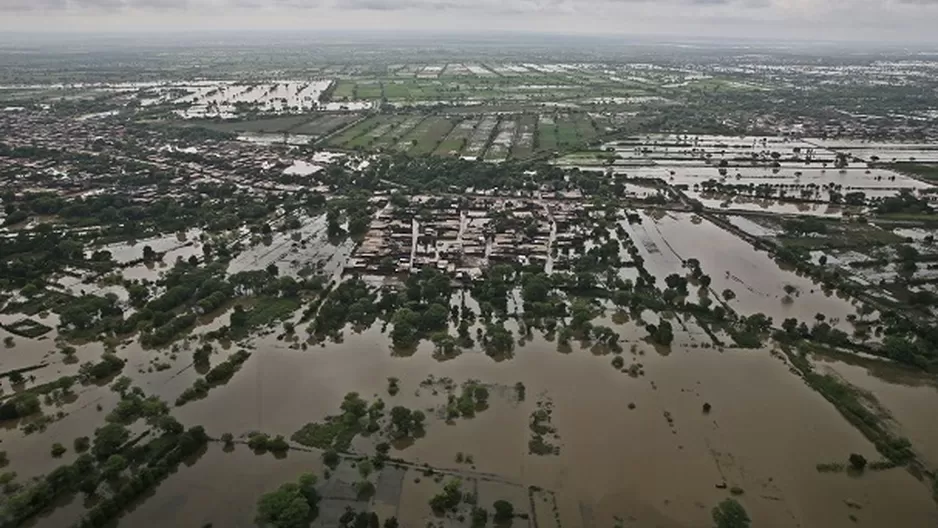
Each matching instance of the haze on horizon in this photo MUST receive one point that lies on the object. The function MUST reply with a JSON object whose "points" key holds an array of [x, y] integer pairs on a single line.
{"points": [[820, 20]]}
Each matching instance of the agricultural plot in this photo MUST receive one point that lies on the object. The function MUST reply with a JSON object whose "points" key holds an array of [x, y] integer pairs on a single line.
{"points": [[480, 70], [425, 138], [344, 90], [224, 99], [480, 137], [370, 137], [546, 133], [274, 125], [431, 72], [457, 139], [360, 129], [324, 125], [523, 145], [393, 135], [501, 143]]}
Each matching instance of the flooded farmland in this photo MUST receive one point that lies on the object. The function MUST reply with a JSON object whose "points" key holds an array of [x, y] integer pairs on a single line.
{"points": [[613, 461], [444, 284]]}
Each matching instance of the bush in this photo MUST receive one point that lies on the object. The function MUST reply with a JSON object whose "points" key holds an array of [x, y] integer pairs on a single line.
{"points": [[81, 444], [504, 510], [330, 458], [258, 442], [730, 514], [857, 461]]}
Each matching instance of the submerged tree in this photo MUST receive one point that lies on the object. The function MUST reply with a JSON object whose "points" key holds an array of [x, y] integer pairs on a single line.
{"points": [[730, 514]]}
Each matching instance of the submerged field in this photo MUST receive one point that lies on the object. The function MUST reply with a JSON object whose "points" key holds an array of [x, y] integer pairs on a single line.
{"points": [[456, 292]]}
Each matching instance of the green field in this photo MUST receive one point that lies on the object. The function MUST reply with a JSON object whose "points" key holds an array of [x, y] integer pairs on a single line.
{"points": [[546, 133], [370, 138], [425, 138], [325, 124], [360, 129], [274, 124], [394, 136], [454, 143], [344, 90], [523, 145]]}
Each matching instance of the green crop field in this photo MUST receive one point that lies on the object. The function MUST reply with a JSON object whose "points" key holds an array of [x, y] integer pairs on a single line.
{"points": [[428, 134]]}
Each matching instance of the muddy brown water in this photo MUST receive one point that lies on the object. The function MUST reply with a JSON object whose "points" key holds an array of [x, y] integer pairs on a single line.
{"points": [[908, 397], [755, 278], [766, 431], [765, 434]]}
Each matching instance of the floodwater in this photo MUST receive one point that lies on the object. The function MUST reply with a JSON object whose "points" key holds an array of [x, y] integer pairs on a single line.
{"points": [[613, 462], [664, 462], [293, 250], [908, 397], [733, 264], [173, 245]]}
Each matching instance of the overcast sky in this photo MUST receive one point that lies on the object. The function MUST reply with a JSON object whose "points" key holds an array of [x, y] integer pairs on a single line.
{"points": [[867, 20]]}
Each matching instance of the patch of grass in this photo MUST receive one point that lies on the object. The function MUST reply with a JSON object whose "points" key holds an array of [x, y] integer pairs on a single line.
{"points": [[269, 310], [428, 135]]}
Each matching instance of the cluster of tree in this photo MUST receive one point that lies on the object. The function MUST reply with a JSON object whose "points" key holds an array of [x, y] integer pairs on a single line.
{"points": [[748, 331], [821, 332], [905, 202], [20, 405], [261, 442], [662, 333], [336, 432], [30, 257], [423, 308], [218, 375], [109, 365], [498, 340], [352, 301], [405, 422], [449, 498], [160, 462], [154, 462], [473, 398], [134, 404]]}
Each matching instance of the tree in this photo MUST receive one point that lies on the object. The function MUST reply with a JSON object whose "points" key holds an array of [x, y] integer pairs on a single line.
{"points": [[113, 467], [330, 458], [402, 420], [109, 439], [239, 317], [285, 508], [857, 461], [81, 444], [730, 514], [449, 498], [504, 510], [480, 517]]}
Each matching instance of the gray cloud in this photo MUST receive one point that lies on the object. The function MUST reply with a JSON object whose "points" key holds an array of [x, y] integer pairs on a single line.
{"points": [[781, 19], [31, 5]]}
